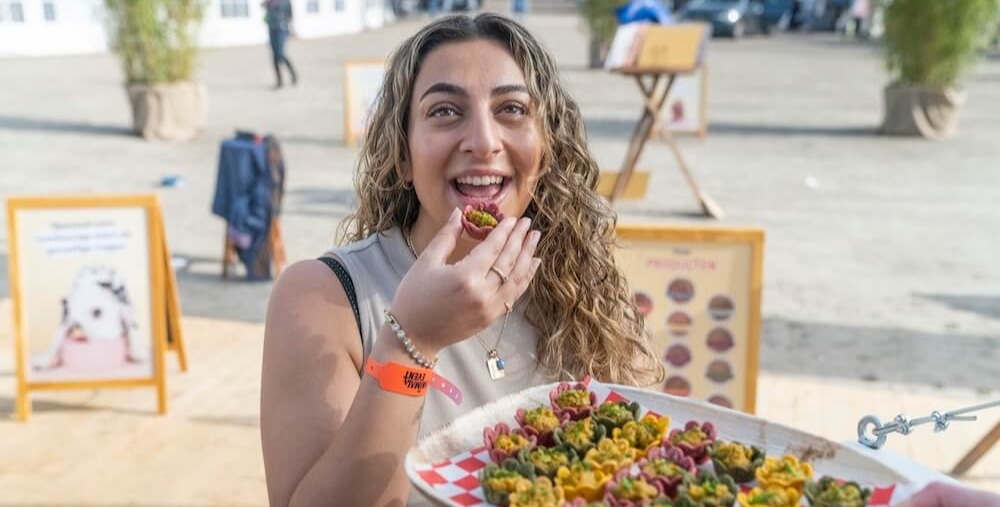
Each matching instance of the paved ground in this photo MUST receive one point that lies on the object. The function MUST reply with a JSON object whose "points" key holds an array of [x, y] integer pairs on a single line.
{"points": [[882, 293]]}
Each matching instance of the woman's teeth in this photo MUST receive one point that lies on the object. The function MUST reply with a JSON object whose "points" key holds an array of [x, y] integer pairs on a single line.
{"points": [[482, 187], [480, 180]]}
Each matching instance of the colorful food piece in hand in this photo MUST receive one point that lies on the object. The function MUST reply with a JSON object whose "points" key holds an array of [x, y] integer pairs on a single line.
{"points": [[707, 490], [537, 493], [575, 400], [771, 497], [784, 472], [614, 414], [668, 466], [645, 433], [547, 460], [627, 491], [736, 460], [504, 442], [499, 482], [694, 440], [582, 435], [540, 421], [828, 492], [582, 480], [479, 220], [611, 455]]}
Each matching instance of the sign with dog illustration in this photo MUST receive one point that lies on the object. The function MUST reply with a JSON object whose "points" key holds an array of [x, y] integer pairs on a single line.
{"points": [[89, 282]]}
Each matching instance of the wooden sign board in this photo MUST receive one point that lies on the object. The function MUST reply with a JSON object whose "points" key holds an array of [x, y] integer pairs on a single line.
{"points": [[93, 294], [647, 48], [699, 290], [636, 188], [673, 46], [362, 82]]}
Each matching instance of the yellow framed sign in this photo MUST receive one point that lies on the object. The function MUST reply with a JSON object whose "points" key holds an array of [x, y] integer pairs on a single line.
{"points": [[89, 284], [699, 290], [362, 82]]}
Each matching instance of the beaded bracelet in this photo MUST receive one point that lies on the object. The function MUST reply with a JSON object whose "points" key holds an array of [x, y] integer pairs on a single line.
{"points": [[407, 343]]}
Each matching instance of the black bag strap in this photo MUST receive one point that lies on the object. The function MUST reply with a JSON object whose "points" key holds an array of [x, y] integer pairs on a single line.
{"points": [[345, 280]]}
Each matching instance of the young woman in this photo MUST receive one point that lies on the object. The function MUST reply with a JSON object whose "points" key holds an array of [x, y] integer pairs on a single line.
{"points": [[471, 113]]}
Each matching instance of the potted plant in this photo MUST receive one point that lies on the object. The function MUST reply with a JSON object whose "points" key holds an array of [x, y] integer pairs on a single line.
{"points": [[601, 21], [157, 43], [929, 43]]}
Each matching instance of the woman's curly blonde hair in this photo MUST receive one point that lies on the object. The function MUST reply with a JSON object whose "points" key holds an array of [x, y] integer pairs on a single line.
{"points": [[579, 300]]}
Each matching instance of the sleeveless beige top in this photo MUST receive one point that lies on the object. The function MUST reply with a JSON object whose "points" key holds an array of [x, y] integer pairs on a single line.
{"points": [[377, 264]]}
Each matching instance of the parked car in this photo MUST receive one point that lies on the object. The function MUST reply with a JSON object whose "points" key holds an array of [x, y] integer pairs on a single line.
{"points": [[732, 18], [778, 14], [446, 6]]}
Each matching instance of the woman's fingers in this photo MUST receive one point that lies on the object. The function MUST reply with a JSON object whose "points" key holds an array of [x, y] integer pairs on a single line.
{"points": [[523, 270], [504, 263], [485, 253], [443, 243]]}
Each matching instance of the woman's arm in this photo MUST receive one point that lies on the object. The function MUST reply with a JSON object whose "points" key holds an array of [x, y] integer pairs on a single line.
{"points": [[318, 444], [331, 436]]}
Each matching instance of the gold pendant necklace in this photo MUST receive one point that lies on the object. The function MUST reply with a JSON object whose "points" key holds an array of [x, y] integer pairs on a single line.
{"points": [[495, 364]]}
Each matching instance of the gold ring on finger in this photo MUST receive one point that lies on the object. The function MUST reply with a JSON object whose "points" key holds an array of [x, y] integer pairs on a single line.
{"points": [[503, 277]]}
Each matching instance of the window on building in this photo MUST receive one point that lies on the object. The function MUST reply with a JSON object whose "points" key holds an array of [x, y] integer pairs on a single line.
{"points": [[49, 8], [11, 11], [235, 8], [339, 5], [312, 6]]}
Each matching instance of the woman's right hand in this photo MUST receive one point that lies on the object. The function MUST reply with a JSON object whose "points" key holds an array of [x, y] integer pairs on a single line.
{"points": [[438, 304]]}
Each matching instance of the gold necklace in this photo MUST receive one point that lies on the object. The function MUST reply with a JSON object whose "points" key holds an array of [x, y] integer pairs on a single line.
{"points": [[495, 364]]}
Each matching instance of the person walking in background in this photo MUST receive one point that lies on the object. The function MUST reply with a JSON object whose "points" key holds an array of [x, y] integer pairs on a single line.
{"points": [[279, 22], [860, 11]]}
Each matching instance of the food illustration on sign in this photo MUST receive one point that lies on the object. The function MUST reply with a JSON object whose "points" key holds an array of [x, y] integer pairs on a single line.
{"points": [[720, 400], [680, 290], [679, 323], [643, 303], [719, 371], [678, 355], [677, 386], [720, 307], [720, 339]]}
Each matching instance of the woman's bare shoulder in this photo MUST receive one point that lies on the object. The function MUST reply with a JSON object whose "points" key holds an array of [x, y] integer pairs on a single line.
{"points": [[308, 304]]}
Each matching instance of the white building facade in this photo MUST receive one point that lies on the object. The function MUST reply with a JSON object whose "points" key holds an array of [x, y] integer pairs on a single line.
{"points": [[65, 27]]}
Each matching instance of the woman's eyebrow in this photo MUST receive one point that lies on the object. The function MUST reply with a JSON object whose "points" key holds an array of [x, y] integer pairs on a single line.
{"points": [[445, 88], [458, 90], [511, 88]]}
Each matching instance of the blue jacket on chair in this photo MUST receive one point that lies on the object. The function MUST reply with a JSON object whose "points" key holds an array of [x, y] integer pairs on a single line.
{"points": [[243, 197]]}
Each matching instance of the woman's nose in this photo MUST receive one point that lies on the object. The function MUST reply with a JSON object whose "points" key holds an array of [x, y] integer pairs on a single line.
{"points": [[482, 138]]}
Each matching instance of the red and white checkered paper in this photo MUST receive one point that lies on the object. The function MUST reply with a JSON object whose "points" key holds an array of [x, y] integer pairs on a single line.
{"points": [[457, 479]]}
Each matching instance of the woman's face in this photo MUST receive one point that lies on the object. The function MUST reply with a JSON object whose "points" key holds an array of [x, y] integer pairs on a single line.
{"points": [[472, 135]]}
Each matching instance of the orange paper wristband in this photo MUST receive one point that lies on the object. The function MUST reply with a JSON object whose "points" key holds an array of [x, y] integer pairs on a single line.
{"points": [[410, 381]]}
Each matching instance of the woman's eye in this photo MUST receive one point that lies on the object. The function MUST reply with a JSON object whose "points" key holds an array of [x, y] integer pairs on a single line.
{"points": [[442, 111], [514, 108]]}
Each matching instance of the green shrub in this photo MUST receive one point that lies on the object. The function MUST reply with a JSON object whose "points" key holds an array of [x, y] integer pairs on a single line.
{"points": [[156, 39], [599, 15], [930, 42]]}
